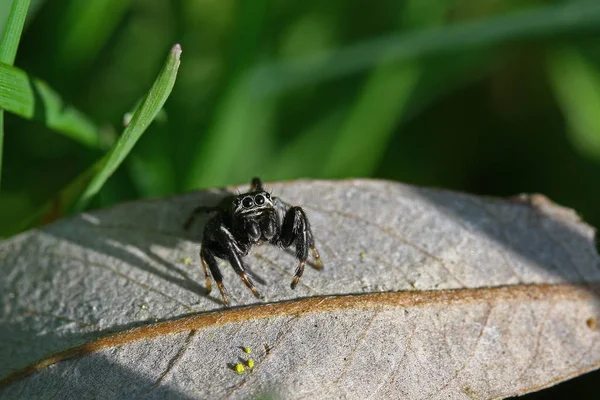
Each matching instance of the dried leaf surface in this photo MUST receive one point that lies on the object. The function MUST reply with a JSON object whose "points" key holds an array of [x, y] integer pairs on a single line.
{"points": [[425, 294]]}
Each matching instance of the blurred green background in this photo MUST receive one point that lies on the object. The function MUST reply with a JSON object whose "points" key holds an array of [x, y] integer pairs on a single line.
{"points": [[488, 97], [484, 96]]}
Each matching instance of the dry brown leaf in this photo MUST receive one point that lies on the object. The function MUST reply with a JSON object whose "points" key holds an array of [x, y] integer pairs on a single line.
{"points": [[425, 294]]}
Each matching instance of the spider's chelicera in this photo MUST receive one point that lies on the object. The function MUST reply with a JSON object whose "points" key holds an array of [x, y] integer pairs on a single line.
{"points": [[251, 219]]}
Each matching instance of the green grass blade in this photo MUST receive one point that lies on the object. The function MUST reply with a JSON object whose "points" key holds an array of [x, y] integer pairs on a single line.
{"points": [[8, 51], [85, 28], [576, 84], [365, 134], [314, 143], [533, 24], [13, 30], [241, 130], [143, 116], [242, 126], [33, 99], [1, 144]]}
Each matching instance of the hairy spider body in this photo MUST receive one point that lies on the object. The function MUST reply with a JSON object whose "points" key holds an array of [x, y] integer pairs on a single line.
{"points": [[250, 219]]}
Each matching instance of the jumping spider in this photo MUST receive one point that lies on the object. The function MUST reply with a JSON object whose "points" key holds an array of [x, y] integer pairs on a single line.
{"points": [[249, 219]]}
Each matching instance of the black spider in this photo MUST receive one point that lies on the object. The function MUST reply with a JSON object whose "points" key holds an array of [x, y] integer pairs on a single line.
{"points": [[250, 219]]}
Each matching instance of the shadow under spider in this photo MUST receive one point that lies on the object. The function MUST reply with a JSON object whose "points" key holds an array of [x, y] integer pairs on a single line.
{"points": [[111, 239]]}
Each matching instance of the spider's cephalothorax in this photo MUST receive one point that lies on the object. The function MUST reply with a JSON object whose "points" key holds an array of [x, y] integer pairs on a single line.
{"points": [[248, 219]]}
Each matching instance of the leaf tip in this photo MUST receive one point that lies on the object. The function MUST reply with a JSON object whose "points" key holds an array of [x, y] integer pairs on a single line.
{"points": [[176, 50]]}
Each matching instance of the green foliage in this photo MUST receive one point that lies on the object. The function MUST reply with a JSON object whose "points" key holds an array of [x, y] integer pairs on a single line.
{"points": [[8, 51], [33, 99], [12, 31], [141, 119], [487, 97], [576, 82], [85, 28]]}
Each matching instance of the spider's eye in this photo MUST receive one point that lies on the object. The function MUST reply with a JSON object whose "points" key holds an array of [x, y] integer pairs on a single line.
{"points": [[247, 202], [236, 202], [259, 199], [268, 195]]}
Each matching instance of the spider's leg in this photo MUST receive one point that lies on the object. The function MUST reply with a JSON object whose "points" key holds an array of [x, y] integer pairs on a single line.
{"points": [[296, 228], [318, 263], [233, 251], [208, 259], [256, 185], [197, 211], [281, 205], [206, 271], [283, 208]]}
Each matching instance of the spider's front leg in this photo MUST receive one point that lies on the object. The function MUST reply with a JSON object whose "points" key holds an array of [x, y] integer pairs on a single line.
{"points": [[234, 253], [209, 262], [296, 228]]}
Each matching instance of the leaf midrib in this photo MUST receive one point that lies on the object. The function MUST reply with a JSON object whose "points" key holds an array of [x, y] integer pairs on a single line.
{"points": [[321, 304]]}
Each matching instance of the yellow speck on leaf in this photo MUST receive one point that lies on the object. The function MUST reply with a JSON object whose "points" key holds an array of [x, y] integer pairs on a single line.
{"points": [[239, 368], [363, 255], [247, 350], [186, 261], [250, 363]]}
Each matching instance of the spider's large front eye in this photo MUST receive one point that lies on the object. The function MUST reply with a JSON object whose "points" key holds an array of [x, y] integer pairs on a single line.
{"points": [[247, 202], [259, 199]]}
